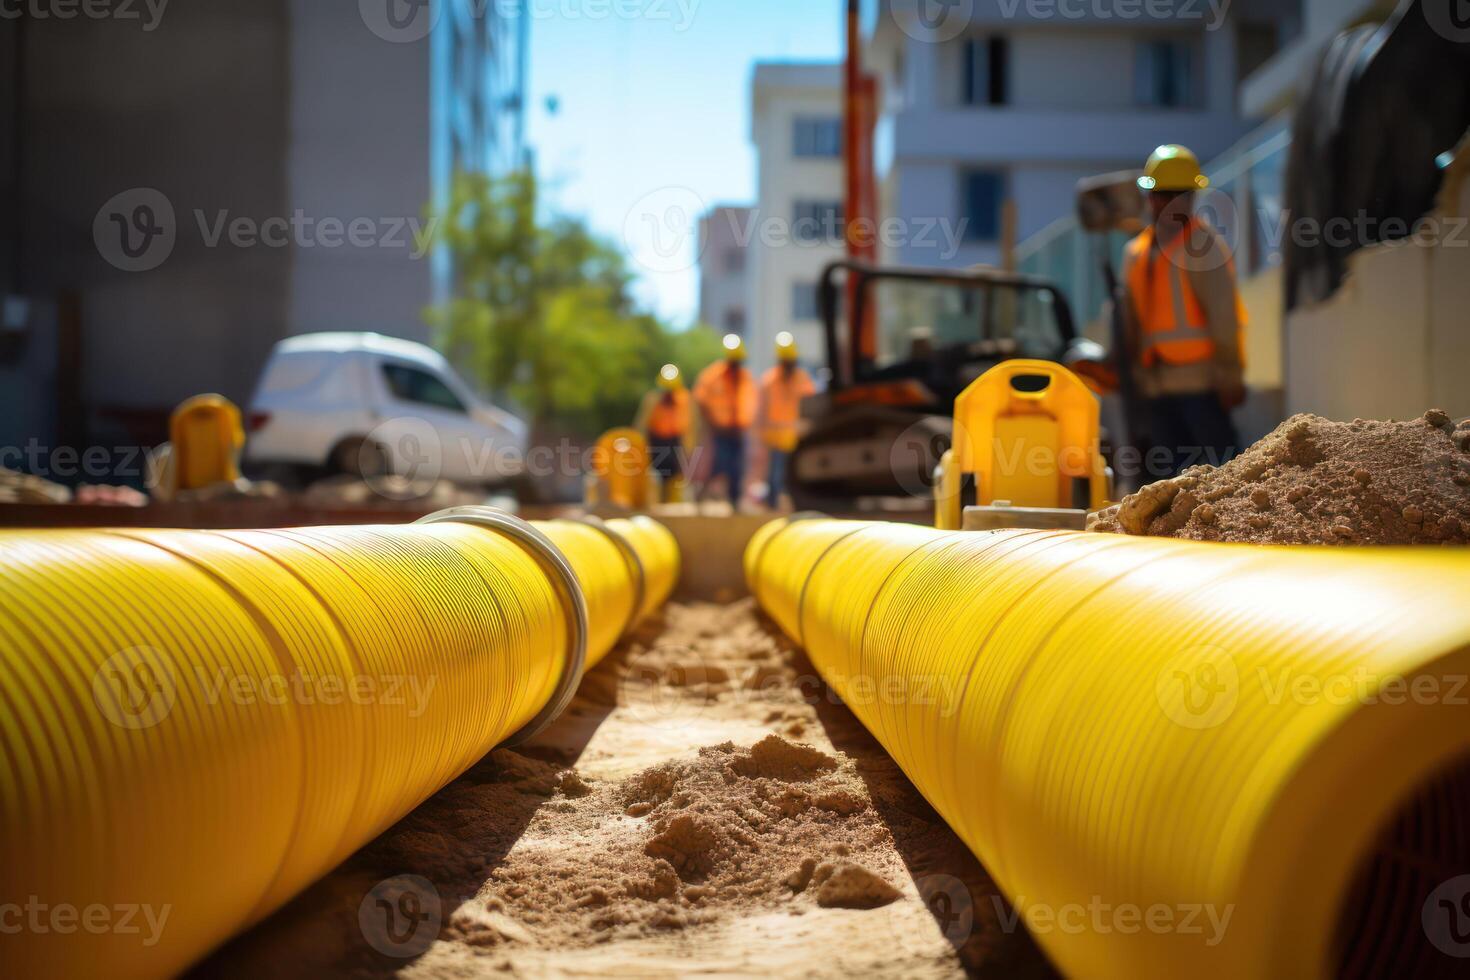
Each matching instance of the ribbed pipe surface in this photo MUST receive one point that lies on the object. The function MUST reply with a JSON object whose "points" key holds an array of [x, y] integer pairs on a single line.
{"points": [[1175, 758], [196, 725]]}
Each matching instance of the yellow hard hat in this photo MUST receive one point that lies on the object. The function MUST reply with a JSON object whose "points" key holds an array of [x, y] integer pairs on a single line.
{"points": [[669, 378], [1173, 168], [786, 347], [734, 347]]}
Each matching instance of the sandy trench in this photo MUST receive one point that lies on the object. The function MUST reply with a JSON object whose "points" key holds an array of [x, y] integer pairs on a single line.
{"points": [[705, 807]]}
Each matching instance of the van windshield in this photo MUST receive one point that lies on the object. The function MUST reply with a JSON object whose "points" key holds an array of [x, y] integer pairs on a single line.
{"points": [[409, 384]]}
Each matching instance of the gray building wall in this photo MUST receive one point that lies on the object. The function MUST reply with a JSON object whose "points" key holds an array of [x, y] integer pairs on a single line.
{"points": [[724, 269], [260, 110], [195, 109]]}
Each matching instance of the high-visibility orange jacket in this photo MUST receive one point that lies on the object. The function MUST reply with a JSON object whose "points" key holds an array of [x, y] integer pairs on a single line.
{"points": [[1172, 326], [727, 395], [669, 418], [781, 395]]}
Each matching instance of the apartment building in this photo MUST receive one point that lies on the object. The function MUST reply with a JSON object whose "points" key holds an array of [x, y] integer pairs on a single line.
{"points": [[796, 226], [1018, 101], [282, 149], [724, 269]]}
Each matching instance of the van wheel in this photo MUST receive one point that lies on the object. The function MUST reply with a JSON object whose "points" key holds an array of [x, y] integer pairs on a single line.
{"points": [[359, 457]]}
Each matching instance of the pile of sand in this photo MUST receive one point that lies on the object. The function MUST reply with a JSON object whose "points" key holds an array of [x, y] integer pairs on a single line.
{"points": [[1314, 481]]}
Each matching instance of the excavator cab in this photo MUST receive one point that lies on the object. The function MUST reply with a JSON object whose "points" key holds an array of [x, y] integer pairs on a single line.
{"points": [[902, 344]]}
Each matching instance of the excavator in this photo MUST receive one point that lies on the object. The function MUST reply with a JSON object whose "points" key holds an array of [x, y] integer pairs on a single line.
{"points": [[903, 343]]}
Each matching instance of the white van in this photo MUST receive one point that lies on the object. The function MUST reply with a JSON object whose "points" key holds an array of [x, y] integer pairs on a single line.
{"points": [[366, 404]]}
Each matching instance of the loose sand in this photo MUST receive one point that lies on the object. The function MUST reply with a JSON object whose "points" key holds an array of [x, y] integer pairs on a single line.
{"points": [[704, 807], [1314, 481]]}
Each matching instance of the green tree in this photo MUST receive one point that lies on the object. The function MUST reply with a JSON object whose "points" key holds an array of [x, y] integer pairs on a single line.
{"points": [[543, 316]]}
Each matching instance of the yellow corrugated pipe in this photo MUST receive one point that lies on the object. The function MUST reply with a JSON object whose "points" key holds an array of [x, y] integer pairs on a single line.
{"points": [[658, 554], [195, 725], [1176, 759]]}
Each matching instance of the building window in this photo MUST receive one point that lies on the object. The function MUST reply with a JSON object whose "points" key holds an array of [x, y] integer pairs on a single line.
{"points": [[735, 261], [817, 221], [818, 137], [1164, 74], [804, 301], [984, 192], [987, 61]]}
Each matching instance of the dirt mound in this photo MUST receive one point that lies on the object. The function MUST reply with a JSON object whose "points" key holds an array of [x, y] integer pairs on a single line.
{"points": [[1314, 481], [612, 845]]}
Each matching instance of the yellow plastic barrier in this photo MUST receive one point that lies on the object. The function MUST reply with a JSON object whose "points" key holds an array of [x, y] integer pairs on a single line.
{"points": [[206, 436], [196, 725], [620, 461], [1029, 443], [1176, 759]]}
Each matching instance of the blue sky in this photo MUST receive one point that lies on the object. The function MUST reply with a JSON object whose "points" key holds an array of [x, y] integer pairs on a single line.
{"points": [[654, 114]]}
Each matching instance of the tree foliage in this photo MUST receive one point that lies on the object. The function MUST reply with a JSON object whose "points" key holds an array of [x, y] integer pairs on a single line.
{"points": [[543, 317]]}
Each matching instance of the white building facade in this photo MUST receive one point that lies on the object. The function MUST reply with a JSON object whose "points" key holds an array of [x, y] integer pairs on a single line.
{"points": [[724, 269], [795, 229], [1017, 101]]}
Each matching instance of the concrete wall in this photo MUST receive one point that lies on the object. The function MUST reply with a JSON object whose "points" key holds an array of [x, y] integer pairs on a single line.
{"points": [[360, 143], [196, 109], [1393, 341]]}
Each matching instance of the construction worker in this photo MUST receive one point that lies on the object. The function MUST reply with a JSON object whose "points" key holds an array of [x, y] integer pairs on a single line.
{"points": [[665, 417], [726, 394], [1183, 319], [782, 389]]}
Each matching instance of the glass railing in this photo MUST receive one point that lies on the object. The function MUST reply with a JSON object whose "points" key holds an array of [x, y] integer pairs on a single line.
{"points": [[1244, 203]]}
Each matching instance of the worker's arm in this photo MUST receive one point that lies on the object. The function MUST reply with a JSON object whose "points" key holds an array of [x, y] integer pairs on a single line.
{"points": [[1213, 280], [645, 409]]}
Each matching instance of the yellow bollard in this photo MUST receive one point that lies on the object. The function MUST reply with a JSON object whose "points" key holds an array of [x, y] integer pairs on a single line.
{"points": [[1176, 759], [1028, 432], [621, 463], [206, 438], [197, 725]]}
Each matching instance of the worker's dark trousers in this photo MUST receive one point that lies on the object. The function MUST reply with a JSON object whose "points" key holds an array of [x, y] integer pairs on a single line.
{"points": [[776, 477], [730, 463], [1188, 430]]}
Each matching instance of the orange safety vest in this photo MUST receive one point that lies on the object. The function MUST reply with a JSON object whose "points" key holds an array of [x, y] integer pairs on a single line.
{"points": [[670, 416], [783, 394], [728, 397], [1170, 316]]}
